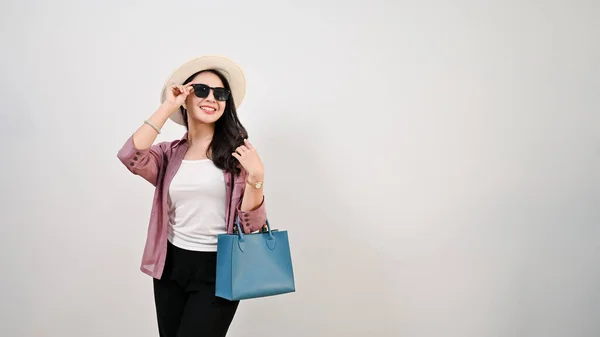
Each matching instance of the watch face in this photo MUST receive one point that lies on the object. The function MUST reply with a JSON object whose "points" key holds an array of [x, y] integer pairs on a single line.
{"points": [[258, 185]]}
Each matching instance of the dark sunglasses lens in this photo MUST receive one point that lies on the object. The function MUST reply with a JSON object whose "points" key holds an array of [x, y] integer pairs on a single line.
{"points": [[201, 90], [221, 94]]}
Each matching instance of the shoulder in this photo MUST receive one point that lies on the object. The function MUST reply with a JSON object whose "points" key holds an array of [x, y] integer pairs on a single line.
{"points": [[167, 147]]}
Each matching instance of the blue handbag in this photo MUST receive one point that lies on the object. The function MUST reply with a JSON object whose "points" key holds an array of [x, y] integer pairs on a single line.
{"points": [[253, 265]]}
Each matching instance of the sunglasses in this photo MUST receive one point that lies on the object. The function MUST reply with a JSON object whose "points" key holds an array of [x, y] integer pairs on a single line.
{"points": [[202, 91]]}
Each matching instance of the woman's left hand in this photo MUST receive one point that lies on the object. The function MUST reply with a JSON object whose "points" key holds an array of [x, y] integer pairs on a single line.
{"points": [[247, 156]]}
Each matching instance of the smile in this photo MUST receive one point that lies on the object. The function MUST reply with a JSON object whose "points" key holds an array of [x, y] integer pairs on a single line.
{"points": [[208, 109]]}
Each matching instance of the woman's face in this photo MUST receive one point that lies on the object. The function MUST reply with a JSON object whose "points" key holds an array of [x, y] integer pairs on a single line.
{"points": [[205, 110]]}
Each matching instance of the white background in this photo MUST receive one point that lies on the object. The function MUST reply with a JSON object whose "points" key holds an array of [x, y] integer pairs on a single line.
{"points": [[436, 163]]}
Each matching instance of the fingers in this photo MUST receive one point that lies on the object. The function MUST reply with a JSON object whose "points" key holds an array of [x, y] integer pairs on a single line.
{"points": [[240, 151], [176, 90], [182, 90], [188, 89], [243, 150], [248, 144], [246, 147]]}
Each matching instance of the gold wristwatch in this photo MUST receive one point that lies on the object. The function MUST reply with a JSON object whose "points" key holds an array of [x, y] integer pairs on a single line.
{"points": [[256, 185]]}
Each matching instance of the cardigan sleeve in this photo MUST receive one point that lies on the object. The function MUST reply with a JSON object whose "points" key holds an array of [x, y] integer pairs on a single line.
{"points": [[145, 163], [252, 220]]}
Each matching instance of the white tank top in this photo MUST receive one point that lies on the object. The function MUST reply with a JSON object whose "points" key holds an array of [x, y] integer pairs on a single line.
{"points": [[197, 206]]}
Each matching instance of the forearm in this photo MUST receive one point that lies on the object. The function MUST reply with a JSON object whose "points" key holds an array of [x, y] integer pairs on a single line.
{"points": [[145, 135], [253, 197]]}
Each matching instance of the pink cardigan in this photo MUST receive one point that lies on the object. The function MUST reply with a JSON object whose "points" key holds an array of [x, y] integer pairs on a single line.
{"points": [[158, 165]]}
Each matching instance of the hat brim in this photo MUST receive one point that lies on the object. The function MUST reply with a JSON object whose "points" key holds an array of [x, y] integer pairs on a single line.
{"points": [[226, 67]]}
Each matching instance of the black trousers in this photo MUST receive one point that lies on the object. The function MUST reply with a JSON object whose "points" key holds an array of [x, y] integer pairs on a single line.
{"points": [[185, 299]]}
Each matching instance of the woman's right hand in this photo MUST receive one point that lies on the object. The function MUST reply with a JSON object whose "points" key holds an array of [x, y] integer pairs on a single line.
{"points": [[176, 94]]}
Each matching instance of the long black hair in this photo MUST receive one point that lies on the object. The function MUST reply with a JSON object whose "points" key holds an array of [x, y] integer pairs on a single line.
{"points": [[229, 131]]}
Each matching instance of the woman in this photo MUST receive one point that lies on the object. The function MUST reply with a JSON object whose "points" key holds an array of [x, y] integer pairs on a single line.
{"points": [[203, 182]]}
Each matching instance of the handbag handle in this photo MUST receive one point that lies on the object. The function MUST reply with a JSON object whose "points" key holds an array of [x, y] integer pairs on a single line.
{"points": [[240, 231]]}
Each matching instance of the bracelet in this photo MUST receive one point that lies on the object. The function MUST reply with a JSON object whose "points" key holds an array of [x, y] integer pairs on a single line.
{"points": [[153, 126]]}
